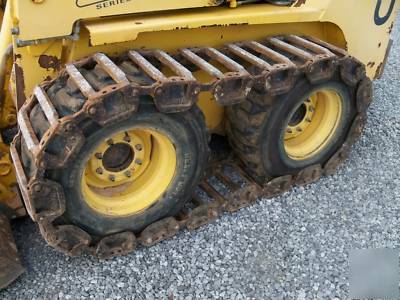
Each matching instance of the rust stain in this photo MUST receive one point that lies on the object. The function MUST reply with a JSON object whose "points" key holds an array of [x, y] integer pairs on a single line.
{"points": [[300, 3], [391, 28], [49, 62], [379, 71], [381, 67], [20, 85]]}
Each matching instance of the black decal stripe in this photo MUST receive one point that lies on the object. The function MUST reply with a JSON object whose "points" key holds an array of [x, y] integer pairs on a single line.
{"points": [[92, 3], [382, 20]]}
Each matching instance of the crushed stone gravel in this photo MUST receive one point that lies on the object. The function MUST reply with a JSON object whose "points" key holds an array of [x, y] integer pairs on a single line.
{"points": [[292, 247]]}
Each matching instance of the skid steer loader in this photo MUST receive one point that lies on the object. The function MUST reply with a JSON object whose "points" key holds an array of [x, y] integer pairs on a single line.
{"points": [[109, 108]]}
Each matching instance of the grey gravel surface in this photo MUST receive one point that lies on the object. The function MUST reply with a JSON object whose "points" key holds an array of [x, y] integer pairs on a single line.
{"points": [[292, 247]]}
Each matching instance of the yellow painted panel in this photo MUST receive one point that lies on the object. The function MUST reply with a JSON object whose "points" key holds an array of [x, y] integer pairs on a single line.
{"points": [[128, 28], [51, 18]]}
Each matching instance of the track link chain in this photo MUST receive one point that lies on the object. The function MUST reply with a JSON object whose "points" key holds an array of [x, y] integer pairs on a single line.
{"points": [[271, 66]]}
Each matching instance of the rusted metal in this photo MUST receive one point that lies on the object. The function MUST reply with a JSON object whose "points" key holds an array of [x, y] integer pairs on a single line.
{"points": [[267, 69], [309, 175], [79, 80], [364, 95], [300, 3], [170, 94], [342, 154], [10, 264], [49, 62], [159, 231], [381, 67], [202, 215], [19, 83], [47, 106], [115, 245]]}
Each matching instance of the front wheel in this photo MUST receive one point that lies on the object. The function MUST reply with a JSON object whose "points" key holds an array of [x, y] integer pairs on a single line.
{"points": [[301, 128]]}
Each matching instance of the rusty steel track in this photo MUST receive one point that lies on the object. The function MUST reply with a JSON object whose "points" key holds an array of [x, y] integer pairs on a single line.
{"points": [[271, 66]]}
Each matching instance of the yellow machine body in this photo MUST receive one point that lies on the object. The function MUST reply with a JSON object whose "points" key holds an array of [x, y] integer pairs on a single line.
{"points": [[43, 35]]}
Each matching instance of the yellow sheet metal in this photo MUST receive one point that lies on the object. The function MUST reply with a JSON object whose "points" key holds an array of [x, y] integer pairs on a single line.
{"points": [[127, 28], [39, 19]]}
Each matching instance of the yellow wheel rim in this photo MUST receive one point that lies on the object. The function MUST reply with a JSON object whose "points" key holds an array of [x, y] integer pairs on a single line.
{"points": [[312, 126], [129, 172]]}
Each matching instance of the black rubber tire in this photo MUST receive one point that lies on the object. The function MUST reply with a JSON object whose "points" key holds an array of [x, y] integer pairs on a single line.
{"points": [[256, 127], [186, 130]]}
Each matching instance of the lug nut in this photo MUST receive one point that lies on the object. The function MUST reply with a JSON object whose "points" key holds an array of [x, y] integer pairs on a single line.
{"points": [[99, 155], [299, 129], [127, 138], [110, 142], [289, 130], [139, 162], [112, 178], [92, 111], [311, 108], [308, 120], [139, 147], [218, 89], [69, 127], [99, 171], [128, 174]]}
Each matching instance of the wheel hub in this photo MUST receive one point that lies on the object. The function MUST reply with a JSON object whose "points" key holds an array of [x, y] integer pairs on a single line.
{"points": [[313, 124], [129, 172], [301, 118], [120, 159]]}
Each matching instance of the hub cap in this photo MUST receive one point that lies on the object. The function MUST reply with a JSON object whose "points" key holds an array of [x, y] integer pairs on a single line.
{"points": [[129, 172], [312, 126]]}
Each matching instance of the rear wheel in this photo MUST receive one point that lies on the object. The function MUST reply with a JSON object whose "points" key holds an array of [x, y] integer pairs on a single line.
{"points": [[301, 128]]}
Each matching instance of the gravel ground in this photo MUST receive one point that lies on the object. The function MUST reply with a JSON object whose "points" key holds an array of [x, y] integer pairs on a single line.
{"points": [[293, 247]]}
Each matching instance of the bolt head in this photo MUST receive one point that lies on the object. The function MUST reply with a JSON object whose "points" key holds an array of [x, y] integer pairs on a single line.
{"points": [[128, 174], [14, 30], [112, 178], [99, 171], [139, 147], [69, 127], [11, 119], [92, 111], [139, 162]]}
